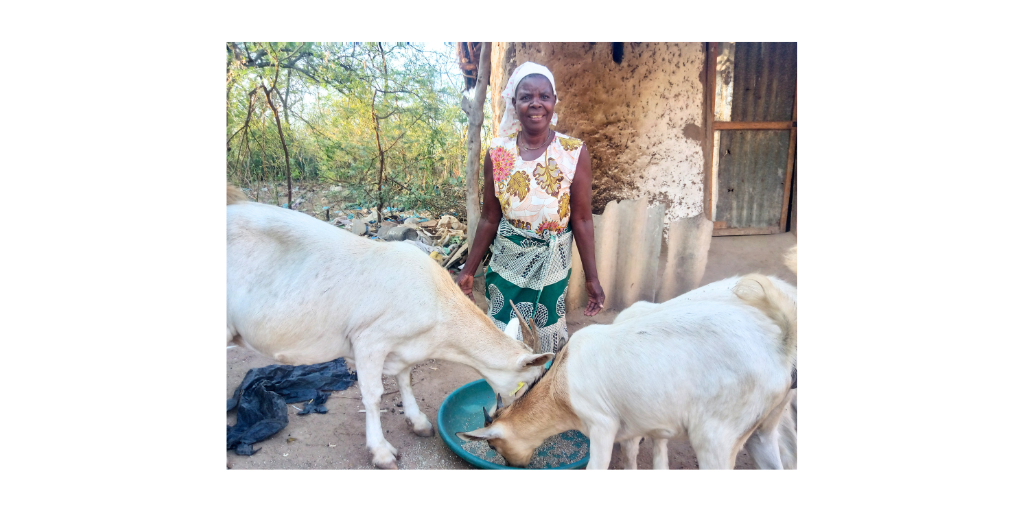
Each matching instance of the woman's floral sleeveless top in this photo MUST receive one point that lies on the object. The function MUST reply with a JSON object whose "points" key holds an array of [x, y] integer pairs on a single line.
{"points": [[534, 195]]}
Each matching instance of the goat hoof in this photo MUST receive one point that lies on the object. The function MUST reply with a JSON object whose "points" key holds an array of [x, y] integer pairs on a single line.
{"points": [[384, 456], [424, 429], [387, 461]]}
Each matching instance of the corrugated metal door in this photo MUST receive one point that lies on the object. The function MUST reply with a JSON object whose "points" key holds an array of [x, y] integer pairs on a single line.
{"points": [[754, 121]]}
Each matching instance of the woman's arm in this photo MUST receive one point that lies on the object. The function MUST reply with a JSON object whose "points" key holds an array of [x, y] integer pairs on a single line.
{"points": [[485, 231], [582, 221]]}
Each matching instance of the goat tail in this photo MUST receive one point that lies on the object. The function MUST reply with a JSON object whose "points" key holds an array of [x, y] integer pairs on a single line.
{"points": [[235, 195], [790, 259], [758, 291]]}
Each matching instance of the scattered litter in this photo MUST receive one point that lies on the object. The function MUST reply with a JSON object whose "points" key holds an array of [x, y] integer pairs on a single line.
{"points": [[443, 239], [397, 233], [454, 257]]}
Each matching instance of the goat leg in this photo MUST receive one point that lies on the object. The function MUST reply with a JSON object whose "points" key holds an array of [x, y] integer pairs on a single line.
{"points": [[602, 440], [420, 424], [371, 387], [660, 454], [630, 449], [763, 443], [712, 442]]}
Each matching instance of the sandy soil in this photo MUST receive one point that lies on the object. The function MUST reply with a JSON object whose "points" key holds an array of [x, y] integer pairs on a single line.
{"points": [[336, 440]]}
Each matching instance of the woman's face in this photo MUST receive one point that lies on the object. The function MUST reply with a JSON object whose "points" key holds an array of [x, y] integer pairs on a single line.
{"points": [[534, 103]]}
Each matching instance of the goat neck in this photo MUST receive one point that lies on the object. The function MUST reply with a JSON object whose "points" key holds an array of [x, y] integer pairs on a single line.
{"points": [[545, 409], [467, 336]]}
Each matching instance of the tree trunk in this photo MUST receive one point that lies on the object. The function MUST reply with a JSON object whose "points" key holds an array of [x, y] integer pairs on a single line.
{"points": [[473, 105], [380, 149], [380, 158], [287, 165]]}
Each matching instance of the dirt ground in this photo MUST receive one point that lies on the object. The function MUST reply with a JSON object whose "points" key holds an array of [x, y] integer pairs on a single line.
{"points": [[336, 440]]}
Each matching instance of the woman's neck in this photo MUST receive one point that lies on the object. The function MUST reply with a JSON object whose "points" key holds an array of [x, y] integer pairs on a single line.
{"points": [[534, 140]]}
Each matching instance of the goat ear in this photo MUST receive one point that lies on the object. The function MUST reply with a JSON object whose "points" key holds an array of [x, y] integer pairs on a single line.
{"points": [[480, 434], [535, 359], [498, 397], [487, 417]]}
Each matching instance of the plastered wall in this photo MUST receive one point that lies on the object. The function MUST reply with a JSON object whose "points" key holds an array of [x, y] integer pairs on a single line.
{"points": [[642, 119]]}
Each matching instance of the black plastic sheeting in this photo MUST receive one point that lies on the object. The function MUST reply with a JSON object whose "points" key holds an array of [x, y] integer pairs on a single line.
{"points": [[262, 397]]}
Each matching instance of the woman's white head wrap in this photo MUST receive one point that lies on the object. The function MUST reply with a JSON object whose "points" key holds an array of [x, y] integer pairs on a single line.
{"points": [[509, 122]]}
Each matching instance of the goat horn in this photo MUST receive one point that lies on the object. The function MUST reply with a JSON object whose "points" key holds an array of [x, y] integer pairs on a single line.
{"points": [[499, 400], [536, 337], [487, 417], [527, 328]]}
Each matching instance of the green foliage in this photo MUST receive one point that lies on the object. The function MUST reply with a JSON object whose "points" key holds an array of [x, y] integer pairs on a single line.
{"points": [[344, 108]]}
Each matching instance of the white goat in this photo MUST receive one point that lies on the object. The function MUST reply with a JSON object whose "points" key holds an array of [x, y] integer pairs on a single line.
{"points": [[302, 291], [722, 290], [714, 371]]}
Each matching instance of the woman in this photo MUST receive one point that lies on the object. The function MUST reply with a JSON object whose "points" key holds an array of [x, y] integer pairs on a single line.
{"points": [[536, 196]]}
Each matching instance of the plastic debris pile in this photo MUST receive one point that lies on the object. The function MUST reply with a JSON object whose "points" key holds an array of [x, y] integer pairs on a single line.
{"points": [[444, 239]]}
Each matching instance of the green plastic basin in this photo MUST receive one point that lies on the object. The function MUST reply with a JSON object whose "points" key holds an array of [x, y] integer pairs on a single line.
{"points": [[462, 411]]}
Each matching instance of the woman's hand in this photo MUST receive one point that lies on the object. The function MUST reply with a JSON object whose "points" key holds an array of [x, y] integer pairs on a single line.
{"points": [[582, 222], [485, 231], [465, 281], [595, 296]]}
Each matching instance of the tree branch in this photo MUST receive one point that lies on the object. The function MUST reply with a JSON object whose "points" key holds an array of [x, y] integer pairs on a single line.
{"points": [[287, 164], [245, 125]]}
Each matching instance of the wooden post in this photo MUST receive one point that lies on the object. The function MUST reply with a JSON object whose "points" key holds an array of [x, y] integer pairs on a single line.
{"points": [[711, 68], [789, 169], [473, 105]]}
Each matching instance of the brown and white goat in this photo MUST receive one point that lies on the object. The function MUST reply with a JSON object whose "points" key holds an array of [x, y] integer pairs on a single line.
{"points": [[714, 371], [302, 291]]}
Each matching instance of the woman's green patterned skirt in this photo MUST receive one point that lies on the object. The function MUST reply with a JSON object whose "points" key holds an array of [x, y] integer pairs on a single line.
{"points": [[532, 271]]}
